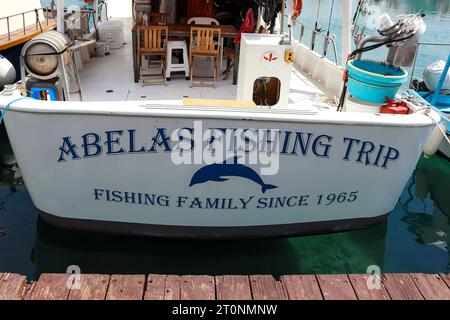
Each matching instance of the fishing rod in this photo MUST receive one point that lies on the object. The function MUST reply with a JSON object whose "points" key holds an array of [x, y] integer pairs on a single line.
{"points": [[316, 27], [325, 48], [358, 8], [358, 11]]}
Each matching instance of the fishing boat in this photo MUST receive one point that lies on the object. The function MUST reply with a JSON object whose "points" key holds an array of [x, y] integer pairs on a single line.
{"points": [[299, 145]]}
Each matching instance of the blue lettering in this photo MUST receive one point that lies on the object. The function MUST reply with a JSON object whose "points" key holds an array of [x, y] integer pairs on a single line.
{"points": [[326, 146], [161, 139], [133, 149], [349, 147], [112, 141], [367, 147], [303, 145], [392, 154], [68, 148], [88, 145]]}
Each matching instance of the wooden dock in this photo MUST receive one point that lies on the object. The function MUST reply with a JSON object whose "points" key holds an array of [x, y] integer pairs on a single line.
{"points": [[231, 287], [20, 36]]}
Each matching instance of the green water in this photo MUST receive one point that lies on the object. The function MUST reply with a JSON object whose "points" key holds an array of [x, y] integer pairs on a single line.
{"points": [[413, 239]]}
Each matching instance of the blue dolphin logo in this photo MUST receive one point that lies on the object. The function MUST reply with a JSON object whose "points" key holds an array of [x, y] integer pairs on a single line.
{"points": [[229, 168]]}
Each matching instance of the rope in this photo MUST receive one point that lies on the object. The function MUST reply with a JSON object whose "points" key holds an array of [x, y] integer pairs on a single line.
{"points": [[6, 109]]}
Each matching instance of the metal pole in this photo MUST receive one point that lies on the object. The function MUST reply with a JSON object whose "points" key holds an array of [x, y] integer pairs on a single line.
{"points": [[60, 15], [283, 9], [23, 23], [7, 25], [325, 45], [316, 27], [346, 31]]}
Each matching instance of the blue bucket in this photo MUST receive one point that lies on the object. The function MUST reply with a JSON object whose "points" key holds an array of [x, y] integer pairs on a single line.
{"points": [[372, 81]]}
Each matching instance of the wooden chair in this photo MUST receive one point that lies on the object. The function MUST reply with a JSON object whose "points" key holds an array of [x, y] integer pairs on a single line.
{"points": [[152, 42], [212, 22], [159, 18], [206, 44]]}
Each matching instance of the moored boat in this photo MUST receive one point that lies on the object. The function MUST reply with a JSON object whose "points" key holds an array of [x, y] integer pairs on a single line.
{"points": [[272, 157]]}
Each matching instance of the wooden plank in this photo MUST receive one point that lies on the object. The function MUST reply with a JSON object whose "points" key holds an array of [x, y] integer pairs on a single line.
{"points": [[173, 288], [12, 286], [92, 287], [446, 278], [156, 286], [265, 287], [432, 286], [29, 290], [126, 287], [363, 292], [51, 286], [198, 288], [336, 287], [302, 287], [400, 286], [233, 288], [281, 290]]}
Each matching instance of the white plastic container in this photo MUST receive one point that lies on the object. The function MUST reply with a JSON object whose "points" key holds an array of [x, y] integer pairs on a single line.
{"points": [[111, 32], [355, 105]]}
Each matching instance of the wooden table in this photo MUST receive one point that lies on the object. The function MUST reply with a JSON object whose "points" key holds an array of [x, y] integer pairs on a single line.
{"points": [[184, 30]]}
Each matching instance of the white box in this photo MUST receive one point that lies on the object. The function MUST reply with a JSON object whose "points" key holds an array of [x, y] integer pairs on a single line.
{"points": [[111, 32], [262, 55]]}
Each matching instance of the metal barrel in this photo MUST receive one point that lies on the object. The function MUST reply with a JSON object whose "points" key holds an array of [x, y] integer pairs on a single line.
{"points": [[41, 54]]}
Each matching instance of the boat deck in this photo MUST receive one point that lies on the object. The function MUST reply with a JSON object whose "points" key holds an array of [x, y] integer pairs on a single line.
{"points": [[111, 78], [229, 287], [22, 35]]}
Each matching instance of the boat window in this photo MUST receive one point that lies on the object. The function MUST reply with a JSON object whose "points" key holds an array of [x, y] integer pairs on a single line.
{"points": [[266, 91]]}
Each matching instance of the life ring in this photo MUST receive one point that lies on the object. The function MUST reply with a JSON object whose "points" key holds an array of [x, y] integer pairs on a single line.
{"points": [[297, 7]]}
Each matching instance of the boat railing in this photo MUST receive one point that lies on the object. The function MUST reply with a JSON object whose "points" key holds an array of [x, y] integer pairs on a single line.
{"points": [[24, 26], [421, 44], [93, 13], [327, 40]]}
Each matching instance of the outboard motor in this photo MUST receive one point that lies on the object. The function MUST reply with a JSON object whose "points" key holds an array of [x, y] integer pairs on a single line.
{"points": [[44, 61], [7, 72]]}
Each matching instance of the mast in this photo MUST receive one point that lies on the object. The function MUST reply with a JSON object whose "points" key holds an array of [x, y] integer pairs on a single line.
{"points": [[60, 15], [346, 31]]}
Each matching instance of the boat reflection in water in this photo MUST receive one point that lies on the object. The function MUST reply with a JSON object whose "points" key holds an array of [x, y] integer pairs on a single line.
{"points": [[56, 249], [427, 214]]}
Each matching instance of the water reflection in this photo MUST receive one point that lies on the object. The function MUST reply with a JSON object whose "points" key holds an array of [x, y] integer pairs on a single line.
{"points": [[430, 224], [96, 253]]}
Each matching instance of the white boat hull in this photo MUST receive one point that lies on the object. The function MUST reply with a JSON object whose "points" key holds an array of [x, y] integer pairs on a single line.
{"points": [[140, 190]]}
